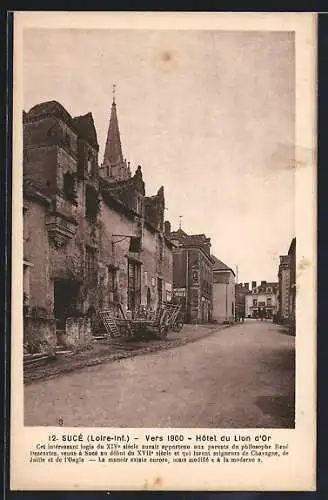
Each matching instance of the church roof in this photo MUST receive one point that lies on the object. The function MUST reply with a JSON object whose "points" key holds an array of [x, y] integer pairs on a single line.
{"points": [[113, 151]]}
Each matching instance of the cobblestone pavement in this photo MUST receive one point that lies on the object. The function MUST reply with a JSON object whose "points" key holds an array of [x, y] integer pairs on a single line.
{"points": [[111, 350], [238, 377]]}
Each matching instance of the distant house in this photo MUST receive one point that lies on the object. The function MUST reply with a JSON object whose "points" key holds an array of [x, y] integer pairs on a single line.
{"points": [[223, 292], [263, 298], [192, 274]]}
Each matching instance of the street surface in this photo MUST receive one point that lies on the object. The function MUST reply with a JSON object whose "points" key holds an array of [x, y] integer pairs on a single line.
{"points": [[238, 377]]}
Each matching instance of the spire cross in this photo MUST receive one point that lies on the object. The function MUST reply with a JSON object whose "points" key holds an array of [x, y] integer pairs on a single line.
{"points": [[114, 92]]}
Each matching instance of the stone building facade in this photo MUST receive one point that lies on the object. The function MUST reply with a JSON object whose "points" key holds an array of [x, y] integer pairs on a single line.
{"points": [[192, 275], [224, 297], [241, 290], [90, 240], [292, 292], [287, 287], [284, 287]]}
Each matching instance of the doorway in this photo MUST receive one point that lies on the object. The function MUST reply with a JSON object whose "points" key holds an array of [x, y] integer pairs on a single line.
{"points": [[160, 290], [65, 301]]}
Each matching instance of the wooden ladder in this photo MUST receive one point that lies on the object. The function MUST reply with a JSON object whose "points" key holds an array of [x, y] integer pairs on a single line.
{"points": [[110, 323]]}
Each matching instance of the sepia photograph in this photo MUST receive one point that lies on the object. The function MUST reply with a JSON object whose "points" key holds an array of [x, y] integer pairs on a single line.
{"points": [[162, 277], [158, 190]]}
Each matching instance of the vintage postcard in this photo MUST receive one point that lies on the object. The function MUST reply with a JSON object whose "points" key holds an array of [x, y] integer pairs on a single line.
{"points": [[164, 251]]}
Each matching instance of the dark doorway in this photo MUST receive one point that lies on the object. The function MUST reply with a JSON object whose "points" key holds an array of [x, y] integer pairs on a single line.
{"points": [[134, 284], [160, 290], [65, 301]]}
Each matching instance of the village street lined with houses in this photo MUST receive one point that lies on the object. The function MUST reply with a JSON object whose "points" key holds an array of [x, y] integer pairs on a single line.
{"points": [[139, 277], [131, 320]]}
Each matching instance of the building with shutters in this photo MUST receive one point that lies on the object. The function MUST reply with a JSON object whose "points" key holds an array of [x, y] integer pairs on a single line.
{"points": [[192, 275], [224, 295], [92, 238], [262, 300]]}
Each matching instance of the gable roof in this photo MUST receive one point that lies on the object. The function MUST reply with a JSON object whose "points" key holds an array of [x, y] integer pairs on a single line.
{"points": [[221, 266]]}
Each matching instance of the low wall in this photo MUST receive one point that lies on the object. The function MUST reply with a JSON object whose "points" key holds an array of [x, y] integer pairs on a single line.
{"points": [[78, 332], [39, 334]]}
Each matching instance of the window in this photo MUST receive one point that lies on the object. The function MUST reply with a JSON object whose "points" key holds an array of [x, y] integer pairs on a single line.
{"points": [[91, 203], [269, 301], [107, 169], [69, 185], [160, 289], [161, 248], [138, 204], [91, 265], [90, 161], [254, 302], [111, 282]]}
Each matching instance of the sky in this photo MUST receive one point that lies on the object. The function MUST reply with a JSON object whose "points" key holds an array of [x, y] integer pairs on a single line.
{"points": [[207, 114]]}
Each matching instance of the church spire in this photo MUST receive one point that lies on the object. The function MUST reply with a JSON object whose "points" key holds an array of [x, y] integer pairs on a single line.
{"points": [[113, 151], [114, 166]]}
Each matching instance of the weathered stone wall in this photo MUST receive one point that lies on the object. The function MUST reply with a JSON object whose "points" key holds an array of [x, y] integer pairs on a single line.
{"points": [[224, 300], [39, 334], [78, 331], [58, 236], [36, 251]]}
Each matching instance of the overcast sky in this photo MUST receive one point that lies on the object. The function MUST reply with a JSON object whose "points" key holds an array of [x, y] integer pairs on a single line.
{"points": [[208, 114]]}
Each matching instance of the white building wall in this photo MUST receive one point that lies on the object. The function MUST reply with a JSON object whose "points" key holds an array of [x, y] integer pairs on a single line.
{"points": [[260, 298], [224, 300]]}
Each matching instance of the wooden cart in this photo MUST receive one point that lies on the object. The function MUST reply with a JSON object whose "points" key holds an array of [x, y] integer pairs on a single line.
{"points": [[155, 322], [175, 319]]}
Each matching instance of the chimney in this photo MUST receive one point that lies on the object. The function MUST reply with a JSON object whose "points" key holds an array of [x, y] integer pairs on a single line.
{"points": [[253, 284], [167, 228], [263, 283], [246, 285]]}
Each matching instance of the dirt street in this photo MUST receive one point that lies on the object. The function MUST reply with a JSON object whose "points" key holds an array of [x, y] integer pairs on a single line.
{"points": [[238, 377]]}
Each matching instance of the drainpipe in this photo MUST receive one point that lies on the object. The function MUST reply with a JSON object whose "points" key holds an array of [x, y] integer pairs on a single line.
{"points": [[226, 301]]}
